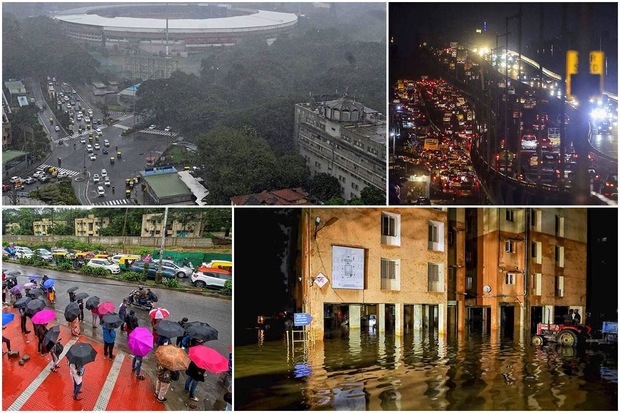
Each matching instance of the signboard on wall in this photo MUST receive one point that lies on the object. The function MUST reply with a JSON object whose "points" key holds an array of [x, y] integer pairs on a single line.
{"points": [[348, 268]]}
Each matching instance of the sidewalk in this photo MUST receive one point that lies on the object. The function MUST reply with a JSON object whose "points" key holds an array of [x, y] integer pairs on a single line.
{"points": [[108, 384]]}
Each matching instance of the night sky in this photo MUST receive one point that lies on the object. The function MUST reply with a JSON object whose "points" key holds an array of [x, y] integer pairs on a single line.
{"points": [[260, 245]]}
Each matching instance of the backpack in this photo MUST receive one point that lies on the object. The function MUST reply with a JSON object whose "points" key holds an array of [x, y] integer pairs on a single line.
{"points": [[175, 375], [58, 349]]}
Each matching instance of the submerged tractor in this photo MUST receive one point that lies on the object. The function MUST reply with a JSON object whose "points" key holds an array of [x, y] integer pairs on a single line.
{"points": [[563, 334]]}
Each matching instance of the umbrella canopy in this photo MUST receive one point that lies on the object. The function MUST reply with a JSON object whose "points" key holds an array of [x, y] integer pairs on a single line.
{"points": [[201, 331], [111, 320], [140, 341], [159, 313], [22, 302], [72, 289], [49, 283], [106, 307], [16, 289], [81, 354], [44, 316], [72, 311], [168, 328], [34, 306], [34, 277], [208, 358], [35, 293], [7, 318], [172, 357], [92, 302], [51, 336], [81, 296], [29, 285]]}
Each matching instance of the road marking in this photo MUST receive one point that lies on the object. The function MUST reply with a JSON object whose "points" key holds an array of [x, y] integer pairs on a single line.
{"points": [[23, 398], [108, 386], [69, 172]]}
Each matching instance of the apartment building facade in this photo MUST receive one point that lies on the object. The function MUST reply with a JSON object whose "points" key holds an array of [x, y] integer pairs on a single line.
{"points": [[44, 226], [153, 225], [90, 225]]}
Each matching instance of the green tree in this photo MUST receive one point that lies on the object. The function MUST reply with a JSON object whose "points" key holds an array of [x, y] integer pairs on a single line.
{"points": [[324, 187], [372, 196]]}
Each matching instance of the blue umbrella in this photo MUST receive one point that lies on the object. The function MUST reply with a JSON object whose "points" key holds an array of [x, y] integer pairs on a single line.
{"points": [[49, 283], [7, 318]]}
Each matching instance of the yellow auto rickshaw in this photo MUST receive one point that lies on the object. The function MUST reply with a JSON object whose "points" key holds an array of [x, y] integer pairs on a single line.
{"points": [[111, 159], [60, 257], [118, 154], [126, 260], [127, 193], [102, 256], [84, 256]]}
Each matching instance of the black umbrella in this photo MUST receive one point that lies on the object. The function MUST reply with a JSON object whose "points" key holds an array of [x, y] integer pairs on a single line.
{"points": [[169, 328], [34, 306], [111, 320], [72, 289], [81, 354], [201, 331], [81, 296], [72, 311], [51, 336], [22, 302], [35, 293], [92, 302]]}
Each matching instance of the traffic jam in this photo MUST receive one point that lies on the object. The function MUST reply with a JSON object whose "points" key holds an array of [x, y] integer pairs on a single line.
{"points": [[434, 128]]}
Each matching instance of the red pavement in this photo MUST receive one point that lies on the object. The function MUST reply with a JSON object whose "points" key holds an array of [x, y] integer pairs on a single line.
{"points": [[56, 391]]}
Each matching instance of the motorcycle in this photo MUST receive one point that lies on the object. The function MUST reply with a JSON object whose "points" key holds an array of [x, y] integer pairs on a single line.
{"points": [[142, 303]]}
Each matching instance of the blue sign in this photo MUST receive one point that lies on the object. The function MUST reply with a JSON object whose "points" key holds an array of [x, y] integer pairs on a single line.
{"points": [[301, 319]]}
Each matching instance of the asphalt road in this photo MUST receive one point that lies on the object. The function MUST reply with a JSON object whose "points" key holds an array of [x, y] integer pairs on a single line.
{"points": [[215, 311]]}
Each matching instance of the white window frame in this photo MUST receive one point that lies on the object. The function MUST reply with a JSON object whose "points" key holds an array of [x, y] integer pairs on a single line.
{"points": [[510, 215], [559, 256], [438, 285], [469, 283], [537, 284], [559, 286], [391, 236], [390, 274], [510, 246], [559, 226], [435, 236], [536, 253], [535, 220], [511, 278]]}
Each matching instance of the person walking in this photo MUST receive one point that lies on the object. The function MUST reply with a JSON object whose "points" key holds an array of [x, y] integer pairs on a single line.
{"points": [[75, 327], [136, 365], [39, 331], [122, 312], [55, 350], [182, 324], [95, 316], [77, 374], [8, 344], [81, 305], [164, 376], [109, 336], [194, 376], [132, 322], [23, 317]]}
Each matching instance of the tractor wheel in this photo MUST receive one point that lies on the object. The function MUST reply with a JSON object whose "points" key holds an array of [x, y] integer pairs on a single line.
{"points": [[537, 340], [567, 338]]}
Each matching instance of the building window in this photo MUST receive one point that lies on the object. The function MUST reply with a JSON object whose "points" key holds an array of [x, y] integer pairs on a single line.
{"points": [[537, 284], [559, 256], [559, 226], [435, 236], [469, 283], [559, 286], [510, 215], [510, 246], [510, 278], [435, 277], [536, 252], [390, 229], [390, 277]]}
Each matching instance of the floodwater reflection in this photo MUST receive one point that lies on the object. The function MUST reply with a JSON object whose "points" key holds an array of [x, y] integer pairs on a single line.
{"points": [[380, 372]]}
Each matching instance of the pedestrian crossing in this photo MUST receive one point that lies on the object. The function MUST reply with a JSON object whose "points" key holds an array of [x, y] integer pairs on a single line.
{"points": [[70, 173], [159, 132], [124, 201]]}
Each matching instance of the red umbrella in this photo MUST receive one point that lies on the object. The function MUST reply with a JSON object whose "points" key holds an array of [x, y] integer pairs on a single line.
{"points": [[159, 313], [208, 358], [106, 307], [43, 316]]}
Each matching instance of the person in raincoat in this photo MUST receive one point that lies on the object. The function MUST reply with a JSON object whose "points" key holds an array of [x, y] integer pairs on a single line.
{"points": [[109, 336]]}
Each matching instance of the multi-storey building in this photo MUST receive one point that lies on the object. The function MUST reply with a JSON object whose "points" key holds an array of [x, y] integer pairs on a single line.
{"points": [[44, 226], [344, 139], [152, 226], [90, 226], [524, 266], [382, 265]]}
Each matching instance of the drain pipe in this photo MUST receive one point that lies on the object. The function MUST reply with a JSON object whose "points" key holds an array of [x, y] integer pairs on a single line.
{"points": [[526, 274]]}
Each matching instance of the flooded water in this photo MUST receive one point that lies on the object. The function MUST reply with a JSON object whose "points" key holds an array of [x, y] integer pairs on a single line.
{"points": [[381, 372]]}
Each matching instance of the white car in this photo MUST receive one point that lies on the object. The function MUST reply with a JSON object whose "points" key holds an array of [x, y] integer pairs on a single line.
{"points": [[214, 277], [103, 263], [152, 127], [62, 174], [181, 272], [23, 252], [30, 180], [15, 179], [106, 143], [89, 148], [93, 157], [104, 173], [96, 178], [106, 181], [167, 129], [97, 146], [100, 191], [82, 140], [57, 128]]}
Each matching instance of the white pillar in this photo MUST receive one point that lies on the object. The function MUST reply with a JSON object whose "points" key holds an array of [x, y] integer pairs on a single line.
{"points": [[355, 316], [417, 317], [381, 318], [399, 319]]}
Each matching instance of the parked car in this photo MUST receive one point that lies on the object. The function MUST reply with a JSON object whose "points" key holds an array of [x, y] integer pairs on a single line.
{"points": [[138, 266], [23, 252], [213, 278], [104, 263], [43, 254], [181, 271], [30, 180], [610, 186]]}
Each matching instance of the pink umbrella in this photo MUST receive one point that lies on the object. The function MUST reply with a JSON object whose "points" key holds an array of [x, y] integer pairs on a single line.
{"points": [[159, 313], [140, 341], [29, 285], [106, 307], [208, 358], [43, 317]]}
